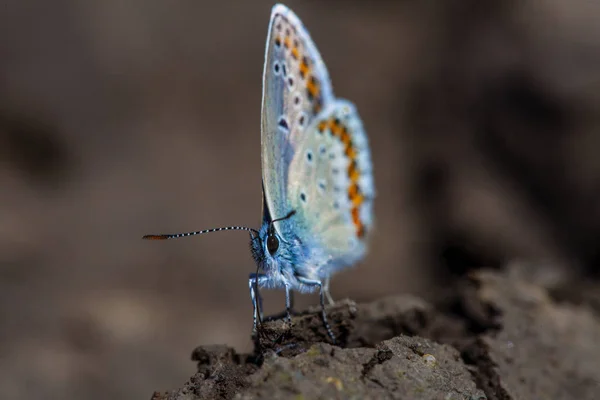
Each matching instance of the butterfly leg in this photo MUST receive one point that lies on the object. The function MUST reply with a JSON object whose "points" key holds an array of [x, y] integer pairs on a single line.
{"points": [[288, 304], [256, 281], [326, 290], [292, 302], [311, 282], [284, 313]]}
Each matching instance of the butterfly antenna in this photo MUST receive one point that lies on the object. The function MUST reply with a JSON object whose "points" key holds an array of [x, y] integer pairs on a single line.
{"points": [[165, 236], [286, 217]]}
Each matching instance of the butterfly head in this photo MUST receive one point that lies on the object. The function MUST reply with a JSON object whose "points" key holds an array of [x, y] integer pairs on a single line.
{"points": [[269, 249]]}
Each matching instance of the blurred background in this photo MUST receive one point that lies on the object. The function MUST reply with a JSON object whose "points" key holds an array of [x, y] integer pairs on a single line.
{"points": [[119, 119]]}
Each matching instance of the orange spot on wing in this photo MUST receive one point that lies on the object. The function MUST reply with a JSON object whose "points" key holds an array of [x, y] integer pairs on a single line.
{"points": [[353, 173], [355, 216], [337, 129], [322, 126], [350, 152], [286, 42], [304, 68], [353, 191], [346, 139], [358, 200], [313, 88], [360, 228], [295, 53]]}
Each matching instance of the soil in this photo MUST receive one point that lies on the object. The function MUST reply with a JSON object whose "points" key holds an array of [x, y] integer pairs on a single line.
{"points": [[505, 338]]}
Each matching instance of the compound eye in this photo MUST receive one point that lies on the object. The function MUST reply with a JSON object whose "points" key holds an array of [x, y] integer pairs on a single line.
{"points": [[272, 243]]}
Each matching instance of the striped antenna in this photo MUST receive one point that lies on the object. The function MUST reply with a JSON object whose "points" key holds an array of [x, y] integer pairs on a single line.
{"points": [[166, 236]]}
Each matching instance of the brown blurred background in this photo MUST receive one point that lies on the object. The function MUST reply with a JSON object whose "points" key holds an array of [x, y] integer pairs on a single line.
{"points": [[123, 118]]}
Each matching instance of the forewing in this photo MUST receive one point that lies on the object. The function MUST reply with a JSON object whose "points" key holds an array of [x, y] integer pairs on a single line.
{"points": [[331, 185], [296, 87]]}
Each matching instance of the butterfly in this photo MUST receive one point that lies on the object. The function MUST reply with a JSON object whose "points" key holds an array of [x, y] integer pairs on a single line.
{"points": [[318, 188]]}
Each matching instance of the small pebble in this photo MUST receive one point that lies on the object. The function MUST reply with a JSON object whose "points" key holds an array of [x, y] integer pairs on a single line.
{"points": [[430, 360], [336, 382]]}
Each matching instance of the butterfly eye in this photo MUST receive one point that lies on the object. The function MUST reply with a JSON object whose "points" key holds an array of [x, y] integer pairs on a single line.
{"points": [[272, 244]]}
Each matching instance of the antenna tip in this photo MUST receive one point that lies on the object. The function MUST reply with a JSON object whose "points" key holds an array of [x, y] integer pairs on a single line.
{"points": [[155, 237]]}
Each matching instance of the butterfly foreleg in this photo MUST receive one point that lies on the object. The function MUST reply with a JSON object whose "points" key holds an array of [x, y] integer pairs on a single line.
{"points": [[319, 284], [256, 281]]}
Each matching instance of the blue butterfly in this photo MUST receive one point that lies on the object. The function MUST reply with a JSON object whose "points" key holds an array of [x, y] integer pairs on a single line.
{"points": [[318, 185]]}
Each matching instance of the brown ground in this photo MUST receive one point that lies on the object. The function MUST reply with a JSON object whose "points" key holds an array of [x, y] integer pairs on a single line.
{"points": [[123, 118], [510, 341]]}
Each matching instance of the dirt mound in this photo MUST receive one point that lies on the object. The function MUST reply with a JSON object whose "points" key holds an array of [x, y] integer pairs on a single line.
{"points": [[505, 339]]}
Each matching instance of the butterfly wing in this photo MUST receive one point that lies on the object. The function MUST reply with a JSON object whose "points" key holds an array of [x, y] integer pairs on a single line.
{"points": [[296, 87], [330, 185]]}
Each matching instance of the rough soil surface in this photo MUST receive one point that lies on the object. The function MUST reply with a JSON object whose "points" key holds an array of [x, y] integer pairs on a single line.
{"points": [[505, 339]]}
